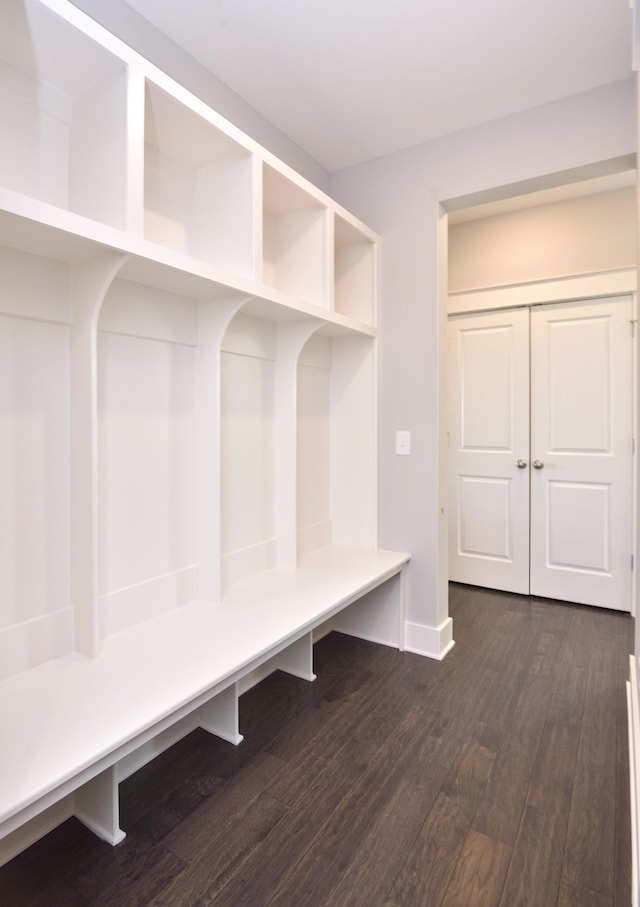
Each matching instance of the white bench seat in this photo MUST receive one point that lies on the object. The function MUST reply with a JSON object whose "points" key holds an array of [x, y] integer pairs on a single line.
{"points": [[68, 723]]}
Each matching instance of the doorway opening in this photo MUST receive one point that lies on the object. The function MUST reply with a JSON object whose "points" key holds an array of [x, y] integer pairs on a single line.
{"points": [[542, 246]]}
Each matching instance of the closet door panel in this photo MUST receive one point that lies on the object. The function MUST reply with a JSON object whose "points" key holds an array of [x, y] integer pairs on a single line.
{"points": [[488, 434], [581, 441]]}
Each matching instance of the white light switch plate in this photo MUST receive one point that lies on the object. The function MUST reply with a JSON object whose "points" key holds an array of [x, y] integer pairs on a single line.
{"points": [[403, 443]]}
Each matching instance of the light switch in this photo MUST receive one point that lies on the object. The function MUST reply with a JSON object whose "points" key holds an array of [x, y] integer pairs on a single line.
{"points": [[403, 443]]}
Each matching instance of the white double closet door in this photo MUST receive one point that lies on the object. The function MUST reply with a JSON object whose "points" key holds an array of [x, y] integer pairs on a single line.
{"points": [[540, 443]]}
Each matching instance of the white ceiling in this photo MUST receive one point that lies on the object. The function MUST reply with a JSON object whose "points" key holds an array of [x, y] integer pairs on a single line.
{"points": [[351, 80]]}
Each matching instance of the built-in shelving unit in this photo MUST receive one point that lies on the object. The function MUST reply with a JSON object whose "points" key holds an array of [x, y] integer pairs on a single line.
{"points": [[188, 349]]}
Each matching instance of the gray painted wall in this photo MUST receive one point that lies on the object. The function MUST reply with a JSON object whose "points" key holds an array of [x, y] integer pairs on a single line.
{"points": [[400, 196]]}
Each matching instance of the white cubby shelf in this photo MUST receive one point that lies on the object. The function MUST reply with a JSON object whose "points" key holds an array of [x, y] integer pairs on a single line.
{"points": [[188, 421]]}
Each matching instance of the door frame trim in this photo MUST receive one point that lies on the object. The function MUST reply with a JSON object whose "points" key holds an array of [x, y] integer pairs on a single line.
{"points": [[622, 282]]}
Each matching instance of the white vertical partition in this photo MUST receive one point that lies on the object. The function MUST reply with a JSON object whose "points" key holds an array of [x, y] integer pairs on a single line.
{"points": [[90, 282], [292, 337], [136, 82], [258, 222]]}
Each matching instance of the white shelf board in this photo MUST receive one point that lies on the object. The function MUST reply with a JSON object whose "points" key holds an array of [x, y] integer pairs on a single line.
{"points": [[67, 715], [42, 229], [342, 326], [279, 307]]}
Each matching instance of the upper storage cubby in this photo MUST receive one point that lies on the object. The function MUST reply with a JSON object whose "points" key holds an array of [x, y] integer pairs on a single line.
{"points": [[198, 186], [354, 272], [294, 239], [63, 114]]}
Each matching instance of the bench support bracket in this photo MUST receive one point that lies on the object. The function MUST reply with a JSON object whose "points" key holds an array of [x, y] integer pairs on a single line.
{"points": [[97, 806], [219, 716]]}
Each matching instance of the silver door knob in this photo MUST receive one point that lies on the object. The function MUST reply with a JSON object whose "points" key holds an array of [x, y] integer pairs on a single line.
{"points": [[537, 464], [521, 464]]}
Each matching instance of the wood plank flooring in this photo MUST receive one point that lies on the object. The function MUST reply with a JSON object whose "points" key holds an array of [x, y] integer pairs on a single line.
{"points": [[496, 778]]}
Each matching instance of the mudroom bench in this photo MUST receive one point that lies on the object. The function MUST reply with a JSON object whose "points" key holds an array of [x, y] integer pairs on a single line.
{"points": [[74, 727]]}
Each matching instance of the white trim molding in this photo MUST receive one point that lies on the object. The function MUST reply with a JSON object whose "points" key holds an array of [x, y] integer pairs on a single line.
{"points": [[633, 716], [433, 642], [559, 289]]}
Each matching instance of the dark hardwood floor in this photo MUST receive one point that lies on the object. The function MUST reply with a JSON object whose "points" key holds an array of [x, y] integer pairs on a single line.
{"points": [[498, 777]]}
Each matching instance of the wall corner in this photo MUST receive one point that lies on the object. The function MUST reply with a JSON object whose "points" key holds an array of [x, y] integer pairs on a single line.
{"points": [[431, 642]]}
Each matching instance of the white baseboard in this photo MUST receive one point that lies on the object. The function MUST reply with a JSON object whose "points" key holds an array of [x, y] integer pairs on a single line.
{"points": [[433, 642], [633, 717], [27, 645], [135, 604], [245, 562]]}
